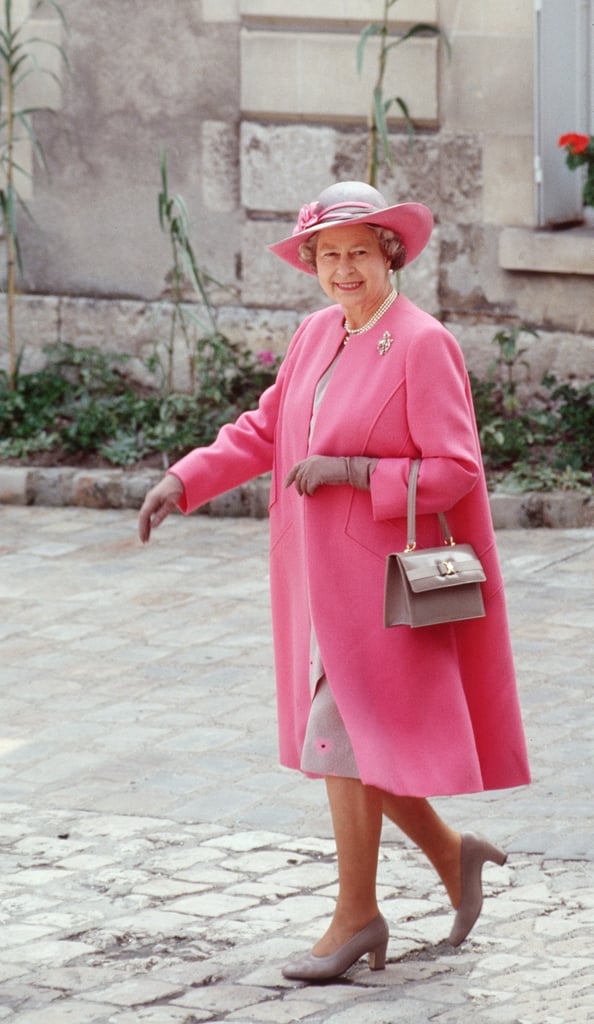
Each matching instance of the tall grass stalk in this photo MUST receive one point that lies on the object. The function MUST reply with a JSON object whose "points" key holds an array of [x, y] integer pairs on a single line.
{"points": [[378, 148], [174, 222], [18, 62]]}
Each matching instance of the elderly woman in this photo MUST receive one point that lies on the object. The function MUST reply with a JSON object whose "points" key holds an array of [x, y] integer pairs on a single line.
{"points": [[389, 717]]}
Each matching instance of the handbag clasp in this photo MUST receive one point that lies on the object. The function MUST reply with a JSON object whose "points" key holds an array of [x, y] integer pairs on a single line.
{"points": [[446, 568]]}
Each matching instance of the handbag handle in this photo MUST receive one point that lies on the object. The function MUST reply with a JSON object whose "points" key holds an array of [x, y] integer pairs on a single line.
{"points": [[411, 527]]}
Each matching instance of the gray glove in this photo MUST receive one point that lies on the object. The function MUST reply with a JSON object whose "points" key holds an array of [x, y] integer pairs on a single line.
{"points": [[317, 470]]}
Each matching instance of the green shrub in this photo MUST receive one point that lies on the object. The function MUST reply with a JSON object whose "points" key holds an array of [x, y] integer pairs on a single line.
{"points": [[82, 402], [545, 446], [571, 421]]}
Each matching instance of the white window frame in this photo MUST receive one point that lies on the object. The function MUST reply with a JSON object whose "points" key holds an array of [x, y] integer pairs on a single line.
{"points": [[564, 102]]}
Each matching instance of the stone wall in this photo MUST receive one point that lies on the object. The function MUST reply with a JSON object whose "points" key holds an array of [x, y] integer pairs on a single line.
{"points": [[140, 330], [259, 106]]}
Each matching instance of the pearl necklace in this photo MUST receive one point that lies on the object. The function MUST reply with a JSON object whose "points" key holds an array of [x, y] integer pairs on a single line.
{"points": [[374, 319]]}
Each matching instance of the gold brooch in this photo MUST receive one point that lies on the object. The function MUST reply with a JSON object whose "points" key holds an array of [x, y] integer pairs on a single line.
{"points": [[385, 343]]}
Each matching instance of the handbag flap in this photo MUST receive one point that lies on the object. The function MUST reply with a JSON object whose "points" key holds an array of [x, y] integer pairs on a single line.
{"points": [[434, 568]]}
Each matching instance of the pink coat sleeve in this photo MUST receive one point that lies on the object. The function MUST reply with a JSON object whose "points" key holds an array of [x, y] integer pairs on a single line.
{"points": [[441, 429], [242, 450]]}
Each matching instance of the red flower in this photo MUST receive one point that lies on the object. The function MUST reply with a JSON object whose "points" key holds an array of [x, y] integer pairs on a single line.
{"points": [[579, 152], [574, 142]]}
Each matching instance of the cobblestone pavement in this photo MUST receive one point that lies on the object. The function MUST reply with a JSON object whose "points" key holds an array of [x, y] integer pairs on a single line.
{"points": [[156, 864]]}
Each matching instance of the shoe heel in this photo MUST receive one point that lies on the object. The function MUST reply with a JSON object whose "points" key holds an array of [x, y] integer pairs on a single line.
{"points": [[494, 854], [377, 957], [476, 850]]}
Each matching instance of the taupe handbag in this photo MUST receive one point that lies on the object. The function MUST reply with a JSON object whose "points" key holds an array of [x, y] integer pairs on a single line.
{"points": [[431, 585]]}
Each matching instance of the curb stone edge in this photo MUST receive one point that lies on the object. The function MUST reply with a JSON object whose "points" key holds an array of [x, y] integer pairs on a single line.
{"points": [[122, 489]]}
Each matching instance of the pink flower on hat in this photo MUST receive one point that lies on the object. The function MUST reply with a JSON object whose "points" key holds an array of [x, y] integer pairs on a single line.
{"points": [[308, 216]]}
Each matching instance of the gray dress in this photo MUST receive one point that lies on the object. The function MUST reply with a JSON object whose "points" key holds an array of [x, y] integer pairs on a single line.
{"points": [[327, 748]]}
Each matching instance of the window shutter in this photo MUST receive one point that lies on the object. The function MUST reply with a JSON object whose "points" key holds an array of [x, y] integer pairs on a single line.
{"points": [[563, 86]]}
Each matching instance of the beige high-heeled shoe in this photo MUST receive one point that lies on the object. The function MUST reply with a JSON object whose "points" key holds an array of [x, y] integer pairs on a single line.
{"points": [[372, 939], [474, 852]]}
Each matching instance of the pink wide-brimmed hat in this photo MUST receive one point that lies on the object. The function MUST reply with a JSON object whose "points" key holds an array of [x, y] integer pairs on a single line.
{"points": [[355, 202]]}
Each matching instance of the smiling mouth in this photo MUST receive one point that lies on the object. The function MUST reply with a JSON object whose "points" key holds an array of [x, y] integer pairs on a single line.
{"points": [[350, 286]]}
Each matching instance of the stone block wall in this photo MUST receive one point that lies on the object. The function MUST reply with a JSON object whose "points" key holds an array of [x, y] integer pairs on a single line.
{"points": [[140, 330], [280, 76], [259, 106]]}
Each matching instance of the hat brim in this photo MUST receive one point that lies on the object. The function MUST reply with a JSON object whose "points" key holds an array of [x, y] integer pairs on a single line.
{"points": [[413, 222]]}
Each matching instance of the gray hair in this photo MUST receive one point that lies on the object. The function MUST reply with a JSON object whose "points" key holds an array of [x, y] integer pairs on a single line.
{"points": [[390, 242]]}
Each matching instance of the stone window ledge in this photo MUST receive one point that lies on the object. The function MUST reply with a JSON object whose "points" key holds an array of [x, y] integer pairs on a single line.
{"points": [[547, 252]]}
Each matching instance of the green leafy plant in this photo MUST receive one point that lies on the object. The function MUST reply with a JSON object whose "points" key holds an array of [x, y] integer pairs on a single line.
{"points": [[378, 140], [541, 477], [543, 443], [506, 432], [508, 360], [18, 62], [82, 403], [570, 420]]}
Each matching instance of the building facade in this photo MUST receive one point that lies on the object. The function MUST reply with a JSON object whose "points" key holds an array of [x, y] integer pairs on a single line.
{"points": [[259, 105]]}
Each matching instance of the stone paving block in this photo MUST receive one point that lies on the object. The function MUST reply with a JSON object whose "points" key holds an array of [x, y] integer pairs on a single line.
{"points": [[85, 861], [14, 907], [8, 831], [77, 976], [260, 891], [273, 1012], [265, 862], [170, 862], [561, 924], [233, 803], [263, 815], [329, 997], [580, 846], [445, 992], [137, 991], [293, 911], [48, 951], [15, 485], [261, 968], [33, 877], [223, 998], [507, 906], [253, 840], [429, 931], [211, 904], [384, 1011], [152, 921], [165, 888], [210, 875], [312, 845], [114, 826], [18, 934], [112, 887], [159, 1015], [64, 1011]]}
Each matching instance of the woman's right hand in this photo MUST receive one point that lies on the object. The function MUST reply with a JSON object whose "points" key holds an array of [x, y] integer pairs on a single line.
{"points": [[159, 502]]}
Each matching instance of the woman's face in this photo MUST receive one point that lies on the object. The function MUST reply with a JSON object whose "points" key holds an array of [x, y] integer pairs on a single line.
{"points": [[352, 269]]}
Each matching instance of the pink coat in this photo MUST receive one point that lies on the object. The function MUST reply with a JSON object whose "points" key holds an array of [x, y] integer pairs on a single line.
{"points": [[429, 712]]}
